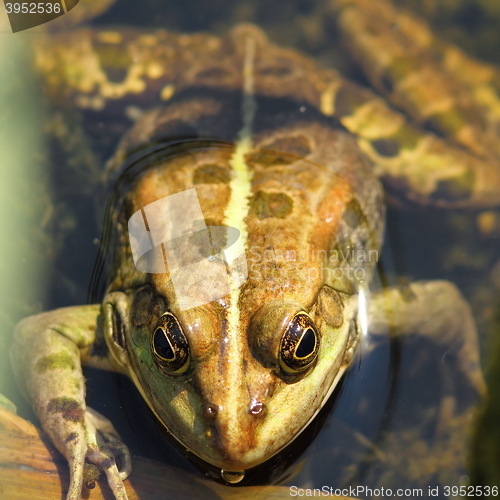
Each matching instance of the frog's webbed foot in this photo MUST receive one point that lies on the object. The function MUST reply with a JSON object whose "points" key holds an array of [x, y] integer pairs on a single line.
{"points": [[97, 442], [438, 311]]}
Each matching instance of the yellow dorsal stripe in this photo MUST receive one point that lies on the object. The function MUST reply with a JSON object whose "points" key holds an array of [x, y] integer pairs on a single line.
{"points": [[237, 210], [241, 182]]}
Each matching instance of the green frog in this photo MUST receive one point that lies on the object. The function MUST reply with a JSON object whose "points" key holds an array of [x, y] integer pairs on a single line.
{"points": [[238, 332]]}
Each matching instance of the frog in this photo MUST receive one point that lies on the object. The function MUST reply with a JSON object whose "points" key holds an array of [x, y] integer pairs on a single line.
{"points": [[286, 158]]}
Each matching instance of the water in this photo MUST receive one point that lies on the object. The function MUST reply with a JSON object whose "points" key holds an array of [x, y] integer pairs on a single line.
{"points": [[382, 432]]}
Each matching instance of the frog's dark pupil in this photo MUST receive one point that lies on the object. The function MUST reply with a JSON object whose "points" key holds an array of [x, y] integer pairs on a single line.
{"points": [[306, 344], [162, 345]]}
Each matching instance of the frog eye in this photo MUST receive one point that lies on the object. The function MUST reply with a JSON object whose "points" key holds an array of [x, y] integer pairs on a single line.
{"points": [[170, 346], [299, 344]]}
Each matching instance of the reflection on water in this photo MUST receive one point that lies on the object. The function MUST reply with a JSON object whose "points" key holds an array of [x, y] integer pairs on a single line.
{"points": [[24, 196], [384, 431]]}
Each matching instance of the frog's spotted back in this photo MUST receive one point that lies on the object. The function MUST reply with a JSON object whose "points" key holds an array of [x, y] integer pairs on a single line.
{"points": [[117, 75]]}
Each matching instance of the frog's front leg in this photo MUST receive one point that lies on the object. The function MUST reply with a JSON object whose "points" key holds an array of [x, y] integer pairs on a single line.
{"points": [[47, 355], [436, 310]]}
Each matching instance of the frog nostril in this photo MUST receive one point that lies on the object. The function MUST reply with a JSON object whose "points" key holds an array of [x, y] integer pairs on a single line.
{"points": [[210, 410], [256, 408]]}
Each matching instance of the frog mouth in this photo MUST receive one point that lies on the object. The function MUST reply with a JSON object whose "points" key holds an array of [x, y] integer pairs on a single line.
{"points": [[274, 469]]}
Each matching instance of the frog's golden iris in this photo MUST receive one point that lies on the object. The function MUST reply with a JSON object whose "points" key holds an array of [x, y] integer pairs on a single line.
{"points": [[299, 345], [170, 346]]}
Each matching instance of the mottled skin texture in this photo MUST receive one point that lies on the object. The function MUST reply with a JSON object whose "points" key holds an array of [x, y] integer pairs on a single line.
{"points": [[458, 97], [315, 219], [289, 153]]}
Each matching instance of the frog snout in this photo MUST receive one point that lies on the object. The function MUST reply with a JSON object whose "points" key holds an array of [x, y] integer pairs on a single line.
{"points": [[234, 406], [235, 432], [255, 407]]}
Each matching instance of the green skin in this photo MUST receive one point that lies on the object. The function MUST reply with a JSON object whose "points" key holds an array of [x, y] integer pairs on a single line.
{"points": [[342, 210]]}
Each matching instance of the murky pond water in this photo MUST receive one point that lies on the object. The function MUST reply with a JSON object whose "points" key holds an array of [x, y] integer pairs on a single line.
{"points": [[381, 428]]}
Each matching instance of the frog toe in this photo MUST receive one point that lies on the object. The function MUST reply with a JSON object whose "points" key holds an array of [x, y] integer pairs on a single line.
{"points": [[120, 452], [76, 467], [100, 449], [115, 483], [104, 458], [105, 448]]}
